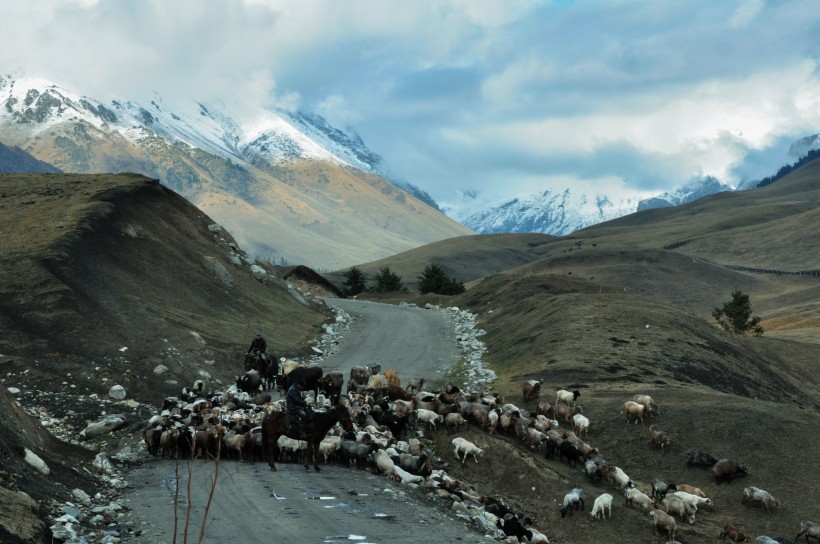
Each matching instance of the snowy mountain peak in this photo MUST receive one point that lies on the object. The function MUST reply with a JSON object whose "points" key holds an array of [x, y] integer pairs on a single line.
{"points": [[690, 192]]}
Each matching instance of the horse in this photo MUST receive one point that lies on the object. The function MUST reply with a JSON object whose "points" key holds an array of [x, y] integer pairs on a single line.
{"points": [[276, 424], [254, 361]]}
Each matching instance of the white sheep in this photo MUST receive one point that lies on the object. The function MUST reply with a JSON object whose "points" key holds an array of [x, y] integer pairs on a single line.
{"points": [[810, 529], [429, 417], [575, 498], [753, 494], [646, 400], [405, 477], [464, 445], [580, 424], [602, 503], [384, 463], [617, 476], [492, 421], [328, 447], [454, 421], [675, 505], [567, 397], [692, 499], [636, 496]]}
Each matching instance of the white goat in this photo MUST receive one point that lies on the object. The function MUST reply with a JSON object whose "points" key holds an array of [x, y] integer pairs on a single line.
{"points": [[464, 445], [636, 496], [581, 424], [602, 503], [753, 494], [429, 417]]}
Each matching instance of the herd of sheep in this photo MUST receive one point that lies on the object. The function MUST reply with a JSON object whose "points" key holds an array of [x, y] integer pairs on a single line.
{"points": [[389, 419]]}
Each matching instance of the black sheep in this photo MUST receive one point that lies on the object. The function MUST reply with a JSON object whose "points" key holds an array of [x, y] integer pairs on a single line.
{"points": [[569, 451]]}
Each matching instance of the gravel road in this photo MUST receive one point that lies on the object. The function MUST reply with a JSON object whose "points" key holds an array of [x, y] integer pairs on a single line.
{"points": [[252, 504]]}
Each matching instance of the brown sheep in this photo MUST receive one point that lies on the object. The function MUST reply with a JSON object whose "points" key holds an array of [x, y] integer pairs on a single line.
{"points": [[565, 412], [728, 469], [392, 378], [662, 520], [733, 534], [636, 410], [414, 386], [651, 406]]}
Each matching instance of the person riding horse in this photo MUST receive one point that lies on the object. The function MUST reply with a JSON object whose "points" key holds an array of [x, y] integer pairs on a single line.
{"points": [[297, 407], [258, 344]]}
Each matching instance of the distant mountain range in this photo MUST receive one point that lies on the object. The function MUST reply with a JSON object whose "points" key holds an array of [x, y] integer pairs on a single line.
{"points": [[289, 186], [14, 159]]}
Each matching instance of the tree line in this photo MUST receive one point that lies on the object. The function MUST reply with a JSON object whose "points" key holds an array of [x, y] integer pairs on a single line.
{"points": [[432, 280]]}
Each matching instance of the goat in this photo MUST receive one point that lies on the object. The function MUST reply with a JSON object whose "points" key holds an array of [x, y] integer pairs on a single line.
{"points": [[573, 499], [464, 445], [568, 397], [565, 412], [511, 525], [693, 500], [405, 477], [415, 386], [429, 417], [602, 503], [661, 488], [809, 529], [618, 477], [732, 533], [568, 450], [728, 469], [662, 520], [692, 490], [658, 437], [531, 388], [636, 410], [753, 494], [383, 463]]}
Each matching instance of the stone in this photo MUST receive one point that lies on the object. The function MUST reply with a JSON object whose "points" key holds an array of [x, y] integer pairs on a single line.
{"points": [[81, 496], [160, 369], [117, 392], [34, 460], [105, 425]]}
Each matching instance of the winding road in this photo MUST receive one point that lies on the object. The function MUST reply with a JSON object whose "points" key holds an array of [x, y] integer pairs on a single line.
{"points": [[251, 504]]}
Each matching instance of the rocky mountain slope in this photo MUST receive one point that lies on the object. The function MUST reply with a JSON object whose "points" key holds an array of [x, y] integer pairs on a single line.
{"points": [[290, 187]]}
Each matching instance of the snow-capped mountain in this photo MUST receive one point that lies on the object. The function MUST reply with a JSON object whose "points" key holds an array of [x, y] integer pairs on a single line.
{"points": [[287, 185], [563, 212], [687, 193], [550, 212]]}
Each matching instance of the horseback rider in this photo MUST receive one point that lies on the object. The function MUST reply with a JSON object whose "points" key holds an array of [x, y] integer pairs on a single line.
{"points": [[298, 407], [258, 344]]}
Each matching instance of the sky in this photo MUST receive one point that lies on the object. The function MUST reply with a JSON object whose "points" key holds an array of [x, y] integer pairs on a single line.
{"points": [[473, 101]]}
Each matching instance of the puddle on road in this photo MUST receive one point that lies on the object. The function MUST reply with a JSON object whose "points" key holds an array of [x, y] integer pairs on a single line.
{"points": [[347, 538], [322, 498], [381, 515]]}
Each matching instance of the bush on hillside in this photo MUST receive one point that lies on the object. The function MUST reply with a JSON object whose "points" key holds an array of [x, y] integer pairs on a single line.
{"points": [[354, 281], [434, 280], [388, 281]]}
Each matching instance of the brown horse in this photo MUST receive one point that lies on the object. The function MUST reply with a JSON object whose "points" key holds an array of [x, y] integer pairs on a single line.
{"points": [[276, 424], [254, 361]]}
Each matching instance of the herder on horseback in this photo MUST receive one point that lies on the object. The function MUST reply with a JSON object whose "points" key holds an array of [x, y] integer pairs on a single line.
{"points": [[259, 345], [298, 408]]}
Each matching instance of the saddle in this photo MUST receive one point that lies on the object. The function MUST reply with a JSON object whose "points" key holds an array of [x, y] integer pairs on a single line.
{"points": [[292, 425]]}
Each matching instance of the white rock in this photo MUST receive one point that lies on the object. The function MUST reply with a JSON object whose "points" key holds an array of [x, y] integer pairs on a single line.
{"points": [[160, 369], [13, 390], [34, 460], [108, 423], [81, 496], [117, 392], [102, 463]]}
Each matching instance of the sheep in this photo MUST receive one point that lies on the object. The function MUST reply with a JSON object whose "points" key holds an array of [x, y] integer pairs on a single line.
{"points": [[428, 417], [492, 421], [415, 464], [383, 463], [352, 450], [568, 450], [618, 477], [691, 499], [575, 498], [512, 526], [565, 412], [464, 445], [662, 520], [699, 459], [585, 449], [658, 437], [236, 442], [168, 442], [602, 503], [638, 411], [809, 529], [294, 449], [392, 378], [692, 490], [763, 539], [454, 421], [580, 424], [538, 537], [531, 388], [753, 494], [405, 477], [328, 447], [661, 488], [728, 469], [535, 438], [152, 436], [568, 397], [634, 495], [675, 505], [733, 534], [646, 400]]}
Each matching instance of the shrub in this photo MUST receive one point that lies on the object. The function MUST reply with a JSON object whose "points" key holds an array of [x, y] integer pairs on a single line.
{"points": [[434, 280], [388, 281], [354, 281], [736, 315]]}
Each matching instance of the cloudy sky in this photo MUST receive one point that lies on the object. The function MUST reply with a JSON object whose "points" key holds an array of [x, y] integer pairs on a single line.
{"points": [[487, 98]]}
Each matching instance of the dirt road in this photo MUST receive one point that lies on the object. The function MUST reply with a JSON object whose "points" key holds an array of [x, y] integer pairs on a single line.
{"points": [[254, 505]]}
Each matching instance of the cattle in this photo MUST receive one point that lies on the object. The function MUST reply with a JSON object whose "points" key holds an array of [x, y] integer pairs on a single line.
{"points": [[311, 375], [250, 382]]}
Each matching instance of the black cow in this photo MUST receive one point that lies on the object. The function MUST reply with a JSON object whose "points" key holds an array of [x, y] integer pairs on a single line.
{"points": [[331, 384], [311, 375], [250, 382]]}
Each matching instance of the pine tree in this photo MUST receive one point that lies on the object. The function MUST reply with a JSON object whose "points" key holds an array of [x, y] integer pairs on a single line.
{"points": [[434, 280], [354, 281], [388, 281], [736, 315]]}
